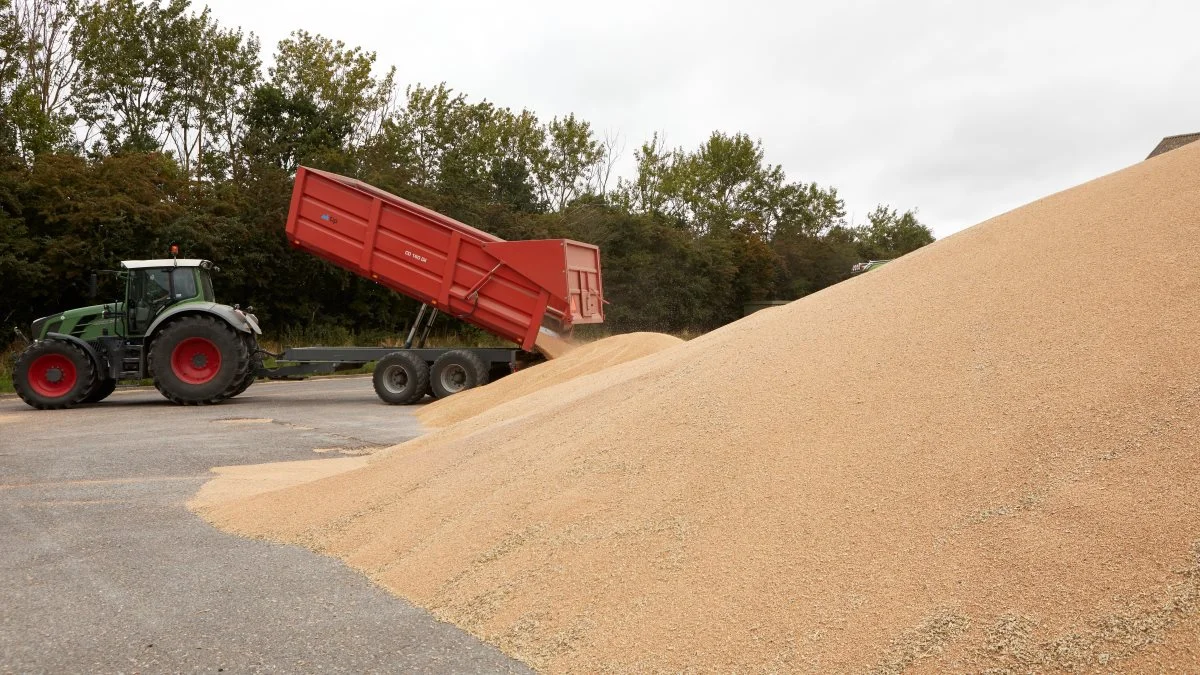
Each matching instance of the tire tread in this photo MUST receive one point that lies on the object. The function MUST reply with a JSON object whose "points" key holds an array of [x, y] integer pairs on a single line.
{"points": [[418, 368], [466, 358]]}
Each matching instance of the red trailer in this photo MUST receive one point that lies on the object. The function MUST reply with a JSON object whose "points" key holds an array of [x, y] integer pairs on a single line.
{"points": [[517, 290], [508, 288]]}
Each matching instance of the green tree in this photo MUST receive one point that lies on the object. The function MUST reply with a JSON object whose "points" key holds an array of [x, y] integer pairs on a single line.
{"points": [[724, 185], [812, 245], [889, 234], [217, 70], [76, 216], [477, 153], [567, 165], [21, 271], [656, 276], [764, 235], [646, 192], [285, 130], [320, 105], [129, 69], [457, 155], [337, 80], [10, 65], [41, 107]]}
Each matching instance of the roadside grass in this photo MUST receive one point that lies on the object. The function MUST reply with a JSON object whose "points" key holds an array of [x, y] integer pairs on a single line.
{"points": [[364, 369], [7, 357]]}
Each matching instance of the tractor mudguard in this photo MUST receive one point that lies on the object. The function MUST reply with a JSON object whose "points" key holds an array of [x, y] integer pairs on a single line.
{"points": [[87, 348], [235, 318]]}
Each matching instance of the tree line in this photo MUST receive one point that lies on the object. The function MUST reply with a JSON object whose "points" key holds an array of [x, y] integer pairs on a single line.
{"points": [[129, 125]]}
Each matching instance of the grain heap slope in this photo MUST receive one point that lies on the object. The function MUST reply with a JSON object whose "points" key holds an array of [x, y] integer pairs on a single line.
{"points": [[582, 360], [982, 455]]}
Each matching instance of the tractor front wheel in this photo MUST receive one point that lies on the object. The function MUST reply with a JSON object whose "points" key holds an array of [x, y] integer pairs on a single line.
{"points": [[101, 390], [199, 360], [53, 374]]}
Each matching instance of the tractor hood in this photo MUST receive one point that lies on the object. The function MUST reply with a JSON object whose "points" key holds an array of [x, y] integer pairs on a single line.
{"points": [[55, 323]]}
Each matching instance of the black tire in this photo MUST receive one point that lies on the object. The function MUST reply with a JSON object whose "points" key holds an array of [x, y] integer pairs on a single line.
{"points": [[102, 390], [400, 378], [456, 371], [189, 376], [241, 388], [255, 364], [44, 369]]}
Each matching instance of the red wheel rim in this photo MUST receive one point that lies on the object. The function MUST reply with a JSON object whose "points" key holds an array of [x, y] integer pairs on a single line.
{"points": [[196, 360], [52, 375]]}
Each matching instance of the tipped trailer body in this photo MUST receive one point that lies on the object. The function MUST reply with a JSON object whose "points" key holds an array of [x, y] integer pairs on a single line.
{"points": [[508, 288], [518, 291]]}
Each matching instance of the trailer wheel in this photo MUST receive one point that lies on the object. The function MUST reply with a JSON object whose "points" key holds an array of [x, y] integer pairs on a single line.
{"points": [[456, 371], [101, 390], [401, 378], [198, 360], [53, 374]]}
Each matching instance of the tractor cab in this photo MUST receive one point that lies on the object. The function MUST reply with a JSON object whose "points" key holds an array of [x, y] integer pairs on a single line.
{"points": [[152, 286]]}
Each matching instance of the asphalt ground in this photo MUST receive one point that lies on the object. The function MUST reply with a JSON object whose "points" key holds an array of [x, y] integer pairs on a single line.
{"points": [[103, 568]]}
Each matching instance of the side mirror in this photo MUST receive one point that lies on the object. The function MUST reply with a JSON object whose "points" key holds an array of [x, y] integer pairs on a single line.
{"points": [[92, 287]]}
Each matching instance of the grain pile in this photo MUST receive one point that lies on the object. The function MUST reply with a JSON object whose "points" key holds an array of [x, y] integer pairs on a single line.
{"points": [[980, 456], [582, 360]]}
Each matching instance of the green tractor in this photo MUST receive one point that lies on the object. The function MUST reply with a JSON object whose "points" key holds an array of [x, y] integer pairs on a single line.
{"points": [[869, 265], [169, 328]]}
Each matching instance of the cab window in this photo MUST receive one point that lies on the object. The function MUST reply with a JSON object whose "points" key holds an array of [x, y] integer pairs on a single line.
{"points": [[206, 288], [156, 286], [183, 282], [149, 293]]}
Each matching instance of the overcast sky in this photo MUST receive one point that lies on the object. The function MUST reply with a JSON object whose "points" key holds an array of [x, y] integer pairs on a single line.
{"points": [[962, 110]]}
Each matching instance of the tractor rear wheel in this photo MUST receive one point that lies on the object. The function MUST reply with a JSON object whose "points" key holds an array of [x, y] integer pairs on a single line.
{"points": [[401, 378], [101, 390], [457, 370], [53, 374], [199, 360], [255, 364]]}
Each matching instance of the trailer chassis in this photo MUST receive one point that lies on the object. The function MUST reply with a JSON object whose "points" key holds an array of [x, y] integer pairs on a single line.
{"points": [[440, 371]]}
